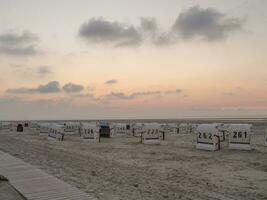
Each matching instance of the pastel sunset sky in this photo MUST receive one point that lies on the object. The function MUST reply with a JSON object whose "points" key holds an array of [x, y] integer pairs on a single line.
{"points": [[103, 59]]}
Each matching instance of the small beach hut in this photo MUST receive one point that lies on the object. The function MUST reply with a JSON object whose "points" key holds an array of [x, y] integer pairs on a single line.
{"points": [[207, 137], [240, 136]]}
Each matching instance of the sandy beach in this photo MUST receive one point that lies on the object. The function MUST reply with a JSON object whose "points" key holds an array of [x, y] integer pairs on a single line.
{"points": [[121, 168]]}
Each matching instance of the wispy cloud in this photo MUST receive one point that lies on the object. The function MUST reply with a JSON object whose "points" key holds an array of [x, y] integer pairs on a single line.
{"points": [[134, 95], [43, 71], [36, 72], [111, 82], [232, 94], [178, 91]]}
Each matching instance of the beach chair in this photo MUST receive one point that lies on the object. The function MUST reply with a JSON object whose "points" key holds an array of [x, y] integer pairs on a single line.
{"points": [[240, 136], [6, 126], [105, 129], [152, 134], [56, 133], [19, 128], [223, 129], [137, 129], [44, 129], [183, 128], [71, 127], [207, 137], [170, 129], [120, 129], [90, 133]]}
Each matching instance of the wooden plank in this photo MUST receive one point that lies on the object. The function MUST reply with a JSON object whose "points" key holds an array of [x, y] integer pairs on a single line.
{"points": [[35, 184]]}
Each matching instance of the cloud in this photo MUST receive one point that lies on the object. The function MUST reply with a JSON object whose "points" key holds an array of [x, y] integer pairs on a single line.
{"points": [[202, 23], [16, 44], [35, 72], [149, 25], [17, 39], [147, 93], [51, 87], [22, 90], [152, 32], [123, 96], [43, 71], [111, 82], [208, 24], [72, 88], [178, 91], [117, 95], [19, 51], [232, 94], [134, 95], [99, 30]]}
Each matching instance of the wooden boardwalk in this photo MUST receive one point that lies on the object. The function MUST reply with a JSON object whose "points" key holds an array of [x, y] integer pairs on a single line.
{"points": [[35, 184]]}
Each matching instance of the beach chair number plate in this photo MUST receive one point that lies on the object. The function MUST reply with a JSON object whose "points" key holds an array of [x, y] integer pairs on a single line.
{"points": [[204, 135], [239, 134], [152, 131], [240, 137], [205, 138]]}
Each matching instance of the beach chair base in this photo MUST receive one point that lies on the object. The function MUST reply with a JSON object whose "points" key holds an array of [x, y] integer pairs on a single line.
{"points": [[239, 146], [207, 147], [154, 141]]}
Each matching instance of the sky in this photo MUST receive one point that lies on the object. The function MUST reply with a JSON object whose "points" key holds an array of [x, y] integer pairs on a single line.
{"points": [[102, 59]]}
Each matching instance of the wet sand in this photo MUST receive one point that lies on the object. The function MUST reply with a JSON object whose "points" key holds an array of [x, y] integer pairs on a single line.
{"points": [[122, 168]]}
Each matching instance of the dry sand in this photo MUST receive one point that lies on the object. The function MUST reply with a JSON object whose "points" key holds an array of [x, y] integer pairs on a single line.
{"points": [[122, 168]]}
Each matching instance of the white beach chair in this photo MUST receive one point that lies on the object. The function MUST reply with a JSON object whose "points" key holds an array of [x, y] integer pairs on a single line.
{"points": [[90, 133], [170, 129], [184, 128], [152, 134], [71, 127], [120, 129], [240, 136], [56, 133], [138, 129], [207, 137]]}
